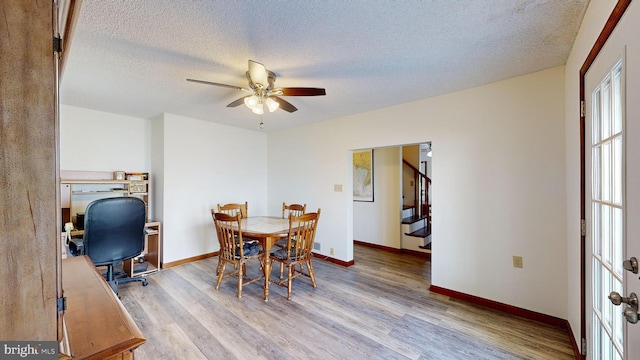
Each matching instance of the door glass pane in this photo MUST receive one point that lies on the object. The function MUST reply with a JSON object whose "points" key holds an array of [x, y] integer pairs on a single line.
{"points": [[619, 321], [597, 285], [605, 113], [605, 176], [617, 99], [617, 242], [606, 234], [617, 170], [607, 313], [596, 231], [595, 118], [597, 337], [596, 171], [607, 349]]}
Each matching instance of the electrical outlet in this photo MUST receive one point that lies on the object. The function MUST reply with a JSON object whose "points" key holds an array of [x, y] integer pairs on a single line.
{"points": [[517, 262], [337, 187], [330, 251]]}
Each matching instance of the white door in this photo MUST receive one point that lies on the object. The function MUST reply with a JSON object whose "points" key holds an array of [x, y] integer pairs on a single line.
{"points": [[612, 94]]}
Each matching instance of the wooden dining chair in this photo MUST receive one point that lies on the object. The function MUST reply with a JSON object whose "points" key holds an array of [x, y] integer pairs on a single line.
{"points": [[233, 250], [233, 208], [299, 252], [287, 210]]}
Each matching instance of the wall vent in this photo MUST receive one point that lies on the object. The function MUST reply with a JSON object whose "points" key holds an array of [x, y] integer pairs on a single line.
{"points": [[316, 246]]}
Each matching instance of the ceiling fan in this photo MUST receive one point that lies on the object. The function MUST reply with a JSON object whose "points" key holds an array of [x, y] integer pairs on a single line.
{"points": [[262, 91]]}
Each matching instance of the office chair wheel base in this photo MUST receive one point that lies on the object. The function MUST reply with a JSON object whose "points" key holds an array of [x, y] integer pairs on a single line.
{"points": [[145, 282]]}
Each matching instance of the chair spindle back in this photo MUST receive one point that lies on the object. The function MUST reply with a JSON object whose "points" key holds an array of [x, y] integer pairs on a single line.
{"points": [[233, 208], [293, 209]]}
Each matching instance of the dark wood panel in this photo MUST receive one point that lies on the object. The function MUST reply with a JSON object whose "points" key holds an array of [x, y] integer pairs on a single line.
{"points": [[29, 227]]}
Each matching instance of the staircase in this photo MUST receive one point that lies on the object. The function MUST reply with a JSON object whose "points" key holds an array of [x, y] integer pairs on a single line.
{"points": [[416, 218], [416, 230]]}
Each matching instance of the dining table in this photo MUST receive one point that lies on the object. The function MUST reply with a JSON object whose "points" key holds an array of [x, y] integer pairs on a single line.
{"points": [[267, 230]]}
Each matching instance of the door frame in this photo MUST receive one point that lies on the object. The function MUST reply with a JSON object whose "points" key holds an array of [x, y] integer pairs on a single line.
{"points": [[607, 30]]}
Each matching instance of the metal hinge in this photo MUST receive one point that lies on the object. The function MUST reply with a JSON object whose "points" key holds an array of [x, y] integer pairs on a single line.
{"points": [[582, 108], [61, 304], [584, 347], [57, 45], [583, 227]]}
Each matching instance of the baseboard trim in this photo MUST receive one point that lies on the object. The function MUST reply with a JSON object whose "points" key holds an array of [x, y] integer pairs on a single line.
{"points": [[334, 260], [376, 246], [188, 260], [513, 310], [394, 250], [510, 309], [205, 256], [572, 340]]}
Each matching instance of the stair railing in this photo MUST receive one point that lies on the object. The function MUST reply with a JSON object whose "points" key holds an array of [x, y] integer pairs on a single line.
{"points": [[421, 204]]}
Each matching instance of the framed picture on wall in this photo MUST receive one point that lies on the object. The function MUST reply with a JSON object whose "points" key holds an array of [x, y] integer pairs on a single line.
{"points": [[363, 175]]}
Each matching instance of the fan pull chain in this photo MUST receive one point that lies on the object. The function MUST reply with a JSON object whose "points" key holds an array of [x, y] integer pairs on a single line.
{"points": [[261, 122]]}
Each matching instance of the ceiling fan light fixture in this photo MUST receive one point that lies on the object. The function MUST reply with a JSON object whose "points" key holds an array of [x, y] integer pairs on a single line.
{"points": [[272, 104], [258, 109], [262, 90], [251, 101]]}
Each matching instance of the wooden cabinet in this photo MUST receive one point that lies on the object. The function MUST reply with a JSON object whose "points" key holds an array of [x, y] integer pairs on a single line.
{"points": [[151, 258]]}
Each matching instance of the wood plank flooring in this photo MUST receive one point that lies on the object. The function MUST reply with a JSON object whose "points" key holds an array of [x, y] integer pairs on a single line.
{"points": [[379, 308]]}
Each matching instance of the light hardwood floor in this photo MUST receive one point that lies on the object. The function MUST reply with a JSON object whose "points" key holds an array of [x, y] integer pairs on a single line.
{"points": [[379, 308]]}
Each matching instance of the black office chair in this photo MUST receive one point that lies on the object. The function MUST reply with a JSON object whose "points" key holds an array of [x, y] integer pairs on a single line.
{"points": [[113, 232]]}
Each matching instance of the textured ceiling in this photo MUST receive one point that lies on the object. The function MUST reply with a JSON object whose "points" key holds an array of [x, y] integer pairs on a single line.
{"points": [[132, 57]]}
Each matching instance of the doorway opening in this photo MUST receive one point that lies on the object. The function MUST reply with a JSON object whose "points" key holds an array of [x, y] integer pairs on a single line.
{"points": [[402, 189]]}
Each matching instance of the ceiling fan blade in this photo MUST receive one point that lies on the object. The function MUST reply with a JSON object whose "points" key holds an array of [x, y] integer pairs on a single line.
{"points": [[284, 105], [258, 73], [237, 102], [216, 84], [301, 91]]}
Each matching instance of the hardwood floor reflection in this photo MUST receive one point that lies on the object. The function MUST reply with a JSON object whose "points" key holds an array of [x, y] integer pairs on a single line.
{"points": [[379, 308]]}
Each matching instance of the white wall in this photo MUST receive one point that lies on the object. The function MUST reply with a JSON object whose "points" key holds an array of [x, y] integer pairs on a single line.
{"points": [[386, 205], [500, 175], [206, 164], [196, 165], [93, 140], [157, 164], [97, 141], [592, 24]]}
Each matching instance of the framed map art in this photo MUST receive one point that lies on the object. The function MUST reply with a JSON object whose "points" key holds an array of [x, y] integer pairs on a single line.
{"points": [[363, 175]]}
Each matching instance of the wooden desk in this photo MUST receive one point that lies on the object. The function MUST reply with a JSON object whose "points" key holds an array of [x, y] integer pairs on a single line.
{"points": [[152, 252], [267, 230], [98, 326]]}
